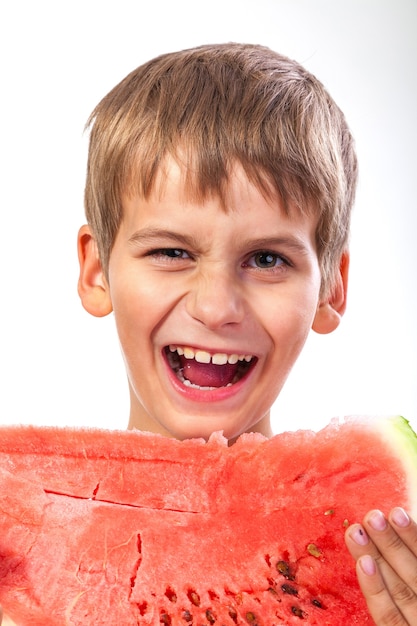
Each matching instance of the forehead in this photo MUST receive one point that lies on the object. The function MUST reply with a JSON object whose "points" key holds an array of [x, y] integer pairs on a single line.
{"points": [[176, 191], [178, 179]]}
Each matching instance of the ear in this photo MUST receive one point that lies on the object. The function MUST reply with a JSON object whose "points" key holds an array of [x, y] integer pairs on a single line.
{"points": [[330, 310], [93, 288]]}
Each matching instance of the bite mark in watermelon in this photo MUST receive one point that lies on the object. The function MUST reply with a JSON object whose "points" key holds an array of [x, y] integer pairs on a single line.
{"points": [[104, 527]]}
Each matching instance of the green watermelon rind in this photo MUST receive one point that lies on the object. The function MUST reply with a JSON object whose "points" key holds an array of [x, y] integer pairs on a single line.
{"points": [[400, 436]]}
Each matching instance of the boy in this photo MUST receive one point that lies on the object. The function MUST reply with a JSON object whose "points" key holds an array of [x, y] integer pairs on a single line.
{"points": [[219, 189]]}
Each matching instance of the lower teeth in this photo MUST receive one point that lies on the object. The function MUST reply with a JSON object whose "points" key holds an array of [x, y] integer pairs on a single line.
{"points": [[188, 383]]}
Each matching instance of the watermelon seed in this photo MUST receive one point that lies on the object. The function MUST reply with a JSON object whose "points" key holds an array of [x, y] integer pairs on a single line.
{"points": [[210, 617], [187, 617], [284, 569], [165, 619], [170, 594], [193, 597], [329, 512], [232, 614], [292, 591], [313, 550], [251, 619], [317, 603], [298, 612]]}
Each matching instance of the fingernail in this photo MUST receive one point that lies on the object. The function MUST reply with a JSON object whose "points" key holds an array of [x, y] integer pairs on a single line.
{"points": [[359, 536], [367, 565], [400, 517], [377, 520]]}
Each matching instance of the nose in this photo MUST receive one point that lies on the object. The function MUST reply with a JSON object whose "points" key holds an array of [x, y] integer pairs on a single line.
{"points": [[215, 299]]}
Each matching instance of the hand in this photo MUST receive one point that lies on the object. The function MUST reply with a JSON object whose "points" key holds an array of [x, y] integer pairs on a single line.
{"points": [[385, 551]]}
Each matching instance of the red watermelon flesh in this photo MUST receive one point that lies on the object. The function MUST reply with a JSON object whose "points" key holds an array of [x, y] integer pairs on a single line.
{"points": [[103, 527]]}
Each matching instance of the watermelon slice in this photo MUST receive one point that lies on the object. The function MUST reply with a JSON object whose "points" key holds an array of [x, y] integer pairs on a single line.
{"points": [[103, 527]]}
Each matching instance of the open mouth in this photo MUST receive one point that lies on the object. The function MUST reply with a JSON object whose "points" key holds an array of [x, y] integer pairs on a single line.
{"points": [[202, 370]]}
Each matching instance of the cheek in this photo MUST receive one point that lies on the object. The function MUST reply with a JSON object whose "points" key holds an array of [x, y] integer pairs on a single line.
{"points": [[288, 330], [139, 308], [291, 317], [128, 308]]}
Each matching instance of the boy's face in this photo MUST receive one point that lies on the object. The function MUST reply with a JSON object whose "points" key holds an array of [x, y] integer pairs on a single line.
{"points": [[212, 307]]}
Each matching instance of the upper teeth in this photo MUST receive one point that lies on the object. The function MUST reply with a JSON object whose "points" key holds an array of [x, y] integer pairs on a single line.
{"points": [[201, 356]]}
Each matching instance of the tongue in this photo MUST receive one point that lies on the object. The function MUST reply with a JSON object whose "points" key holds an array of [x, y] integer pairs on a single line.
{"points": [[208, 374]]}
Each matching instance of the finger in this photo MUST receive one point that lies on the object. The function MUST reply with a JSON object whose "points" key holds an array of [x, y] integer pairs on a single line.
{"points": [[360, 545], [395, 544], [378, 599], [357, 541], [405, 527], [388, 595]]}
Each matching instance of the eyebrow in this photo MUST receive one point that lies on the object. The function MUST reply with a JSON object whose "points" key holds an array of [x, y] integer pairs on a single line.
{"points": [[150, 234], [290, 242]]}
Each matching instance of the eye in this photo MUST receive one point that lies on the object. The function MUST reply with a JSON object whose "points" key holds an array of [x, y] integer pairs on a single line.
{"points": [[266, 260], [169, 253]]}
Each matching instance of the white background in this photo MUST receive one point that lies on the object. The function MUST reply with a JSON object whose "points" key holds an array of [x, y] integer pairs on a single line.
{"points": [[58, 58]]}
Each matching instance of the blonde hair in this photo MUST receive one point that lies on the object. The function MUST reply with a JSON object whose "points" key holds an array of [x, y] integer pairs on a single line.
{"points": [[212, 107]]}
